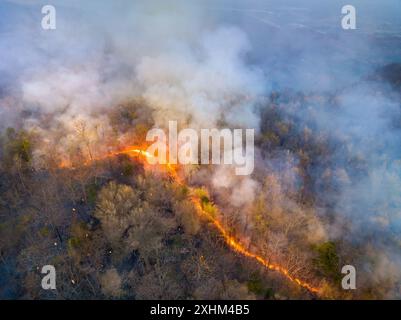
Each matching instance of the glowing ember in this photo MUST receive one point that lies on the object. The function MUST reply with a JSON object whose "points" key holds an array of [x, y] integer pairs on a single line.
{"points": [[134, 151]]}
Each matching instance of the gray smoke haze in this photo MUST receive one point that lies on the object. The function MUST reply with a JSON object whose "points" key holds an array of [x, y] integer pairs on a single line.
{"points": [[201, 62]]}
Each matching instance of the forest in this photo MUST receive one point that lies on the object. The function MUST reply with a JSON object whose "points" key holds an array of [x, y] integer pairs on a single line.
{"points": [[115, 227], [83, 83]]}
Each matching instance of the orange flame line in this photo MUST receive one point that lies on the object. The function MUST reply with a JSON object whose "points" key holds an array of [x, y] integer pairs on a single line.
{"points": [[229, 240], [238, 247], [134, 151]]}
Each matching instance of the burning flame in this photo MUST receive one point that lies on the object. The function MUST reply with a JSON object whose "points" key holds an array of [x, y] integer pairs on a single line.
{"points": [[238, 247], [134, 151], [231, 241]]}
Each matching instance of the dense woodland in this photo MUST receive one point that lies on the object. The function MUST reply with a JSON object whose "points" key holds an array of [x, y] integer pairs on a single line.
{"points": [[114, 229]]}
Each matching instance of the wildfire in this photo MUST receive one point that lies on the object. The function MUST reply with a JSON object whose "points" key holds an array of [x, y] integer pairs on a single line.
{"points": [[238, 247], [231, 241], [134, 151], [131, 151]]}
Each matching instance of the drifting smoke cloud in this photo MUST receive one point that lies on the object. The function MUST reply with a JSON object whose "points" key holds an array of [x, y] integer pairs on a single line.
{"points": [[203, 63]]}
